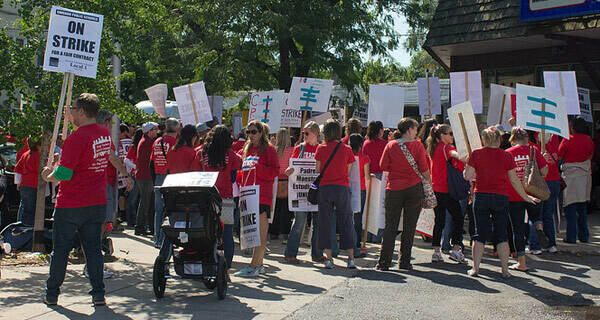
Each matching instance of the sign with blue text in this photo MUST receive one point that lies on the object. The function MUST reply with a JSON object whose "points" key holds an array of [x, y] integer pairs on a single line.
{"points": [[535, 10], [542, 110], [310, 94], [266, 107]]}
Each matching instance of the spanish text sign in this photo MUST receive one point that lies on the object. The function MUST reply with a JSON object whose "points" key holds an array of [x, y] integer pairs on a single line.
{"points": [[73, 43], [299, 182]]}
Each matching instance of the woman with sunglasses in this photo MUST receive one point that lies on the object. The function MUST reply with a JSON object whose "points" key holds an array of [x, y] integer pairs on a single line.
{"points": [[260, 166], [305, 150], [440, 149]]}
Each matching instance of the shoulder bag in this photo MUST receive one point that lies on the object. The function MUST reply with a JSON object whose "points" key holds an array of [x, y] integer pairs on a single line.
{"points": [[534, 184], [458, 187], [429, 200], [313, 191]]}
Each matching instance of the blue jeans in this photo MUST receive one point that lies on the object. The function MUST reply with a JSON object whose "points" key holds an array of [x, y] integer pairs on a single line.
{"points": [[228, 245], [159, 208], [132, 205], [87, 222], [294, 238], [548, 211], [26, 213], [577, 228]]}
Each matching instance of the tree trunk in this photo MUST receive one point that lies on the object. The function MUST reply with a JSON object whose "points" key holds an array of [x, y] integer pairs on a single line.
{"points": [[40, 205], [285, 80]]}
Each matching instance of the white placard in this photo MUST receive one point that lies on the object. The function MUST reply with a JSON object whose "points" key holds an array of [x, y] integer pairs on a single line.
{"points": [[386, 104], [338, 114], [466, 86], [267, 107], [73, 42], [158, 96], [249, 217], [274, 200], [361, 113], [354, 179], [192, 103], [542, 108], [291, 118], [299, 182], [216, 107], [310, 94], [585, 104], [237, 123], [565, 84], [426, 222], [500, 102], [464, 127], [191, 179], [429, 96], [376, 204]]}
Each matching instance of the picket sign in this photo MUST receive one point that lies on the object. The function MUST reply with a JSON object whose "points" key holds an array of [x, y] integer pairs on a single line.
{"points": [[565, 83], [426, 222], [466, 86], [249, 217], [464, 126], [429, 96], [499, 111], [158, 97]]}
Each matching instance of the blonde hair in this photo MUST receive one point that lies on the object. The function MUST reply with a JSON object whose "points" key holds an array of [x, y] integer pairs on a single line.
{"points": [[282, 141], [314, 128], [263, 142], [491, 137]]}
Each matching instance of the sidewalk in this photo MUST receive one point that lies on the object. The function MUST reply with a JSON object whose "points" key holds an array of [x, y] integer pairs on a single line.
{"points": [[590, 248]]}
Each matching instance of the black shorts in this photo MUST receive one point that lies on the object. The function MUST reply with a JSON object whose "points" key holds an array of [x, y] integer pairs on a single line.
{"points": [[265, 208]]}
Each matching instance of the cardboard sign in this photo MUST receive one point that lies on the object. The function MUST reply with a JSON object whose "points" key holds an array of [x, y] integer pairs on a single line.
{"points": [[464, 126], [249, 217], [191, 179], [216, 107], [73, 43], [386, 104], [376, 205], [291, 118], [310, 94], [299, 183], [192, 103], [429, 96], [267, 107], [565, 84], [466, 86], [237, 123], [158, 96], [426, 222], [354, 179], [542, 109], [361, 112], [499, 111], [585, 104]]}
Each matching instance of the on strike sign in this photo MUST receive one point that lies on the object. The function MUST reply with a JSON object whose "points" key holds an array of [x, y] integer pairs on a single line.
{"points": [[73, 43]]}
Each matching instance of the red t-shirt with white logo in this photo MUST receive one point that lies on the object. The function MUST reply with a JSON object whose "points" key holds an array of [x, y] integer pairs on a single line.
{"points": [[521, 157], [85, 152], [164, 143]]}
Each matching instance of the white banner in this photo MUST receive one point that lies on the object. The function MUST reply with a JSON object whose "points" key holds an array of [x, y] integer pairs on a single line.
{"points": [[249, 217], [426, 222], [299, 183], [158, 96], [565, 84], [386, 104], [355, 185], [310, 94], [466, 86], [73, 42], [429, 96], [216, 107], [464, 127], [192, 103], [500, 102], [291, 118], [585, 104], [375, 204], [267, 107], [541, 108]]}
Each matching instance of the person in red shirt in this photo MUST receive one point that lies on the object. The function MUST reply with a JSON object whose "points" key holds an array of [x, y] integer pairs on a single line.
{"points": [[352, 126], [356, 142], [521, 152], [81, 200], [282, 220], [404, 192], [440, 149], [576, 153], [260, 166], [334, 192], [133, 198], [26, 179], [492, 168], [239, 143], [180, 158], [374, 145], [143, 177]]}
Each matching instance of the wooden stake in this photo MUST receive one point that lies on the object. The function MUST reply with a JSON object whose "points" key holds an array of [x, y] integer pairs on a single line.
{"points": [[366, 211], [40, 204], [466, 86], [560, 82], [59, 111], [502, 108], [464, 131], [65, 128], [428, 94], [543, 133], [193, 103]]}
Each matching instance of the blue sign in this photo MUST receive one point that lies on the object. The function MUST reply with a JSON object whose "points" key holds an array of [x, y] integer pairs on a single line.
{"points": [[536, 10]]}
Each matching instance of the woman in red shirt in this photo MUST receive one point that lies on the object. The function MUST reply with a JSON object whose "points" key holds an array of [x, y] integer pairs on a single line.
{"points": [[404, 191], [133, 198], [492, 168], [334, 191], [260, 165], [181, 157], [282, 221], [28, 169], [356, 142], [576, 153], [440, 149], [373, 148]]}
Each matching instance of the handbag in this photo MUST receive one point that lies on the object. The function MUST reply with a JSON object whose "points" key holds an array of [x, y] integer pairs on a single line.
{"points": [[458, 187], [534, 184], [313, 191], [429, 199]]}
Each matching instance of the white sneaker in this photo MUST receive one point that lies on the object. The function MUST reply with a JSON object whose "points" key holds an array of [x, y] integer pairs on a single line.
{"points": [[437, 257], [536, 252], [248, 272], [106, 274], [552, 249], [457, 256], [329, 264]]}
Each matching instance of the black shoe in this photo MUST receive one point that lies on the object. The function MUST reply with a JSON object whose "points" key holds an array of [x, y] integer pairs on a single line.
{"points": [[50, 301], [99, 302]]}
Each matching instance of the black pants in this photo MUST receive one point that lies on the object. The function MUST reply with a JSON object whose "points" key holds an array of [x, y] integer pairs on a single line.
{"points": [[517, 227], [282, 221], [445, 202]]}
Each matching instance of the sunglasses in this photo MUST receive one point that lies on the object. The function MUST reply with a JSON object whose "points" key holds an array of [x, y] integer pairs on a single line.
{"points": [[253, 131], [450, 133]]}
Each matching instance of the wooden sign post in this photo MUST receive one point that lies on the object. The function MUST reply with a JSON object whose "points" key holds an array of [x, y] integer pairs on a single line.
{"points": [[464, 131], [543, 133], [366, 211], [502, 109], [193, 103], [464, 125]]}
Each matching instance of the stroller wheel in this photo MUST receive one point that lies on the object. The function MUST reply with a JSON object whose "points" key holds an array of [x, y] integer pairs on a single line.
{"points": [[159, 282], [210, 284], [221, 278]]}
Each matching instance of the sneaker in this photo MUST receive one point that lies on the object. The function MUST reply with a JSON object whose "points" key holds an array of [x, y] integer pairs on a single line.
{"points": [[261, 269], [544, 241], [552, 249], [444, 251], [472, 273], [457, 256], [249, 272], [536, 252], [106, 274], [351, 264], [437, 257], [50, 301], [329, 264]]}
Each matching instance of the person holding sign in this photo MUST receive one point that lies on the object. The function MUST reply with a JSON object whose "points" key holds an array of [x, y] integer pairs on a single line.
{"points": [[260, 166], [305, 150], [492, 168], [404, 192]]}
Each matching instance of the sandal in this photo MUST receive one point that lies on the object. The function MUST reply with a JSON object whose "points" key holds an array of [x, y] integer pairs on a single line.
{"points": [[515, 267]]}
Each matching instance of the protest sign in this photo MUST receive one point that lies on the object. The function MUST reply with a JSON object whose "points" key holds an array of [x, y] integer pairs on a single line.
{"points": [[374, 208], [361, 113], [585, 104], [291, 118], [542, 109], [299, 182], [73, 42], [426, 222], [429, 96], [464, 126], [338, 114], [565, 84], [499, 111], [192, 103], [216, 107], [267, 107], [354, 179], [386, 104], [237, 123], [158, 96], [466, 86], [249, 217], [310, 94]]}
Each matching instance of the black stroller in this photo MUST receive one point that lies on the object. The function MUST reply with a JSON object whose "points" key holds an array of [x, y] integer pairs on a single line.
{"points": [[193, 237]]}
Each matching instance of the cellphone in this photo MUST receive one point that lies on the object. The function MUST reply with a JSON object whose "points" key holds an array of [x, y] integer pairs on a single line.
{"points": [[535, 5]]}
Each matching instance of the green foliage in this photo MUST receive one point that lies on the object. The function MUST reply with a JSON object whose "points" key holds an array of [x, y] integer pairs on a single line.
{"points": [[418, 14]]}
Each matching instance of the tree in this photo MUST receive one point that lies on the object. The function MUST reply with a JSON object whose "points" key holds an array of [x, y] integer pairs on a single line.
{"points": [[418, 14]]}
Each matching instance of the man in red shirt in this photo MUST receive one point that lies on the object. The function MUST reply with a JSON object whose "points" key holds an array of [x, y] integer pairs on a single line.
{"points": [[143, 177], [160, 149], [26, 179], [81, 200]]}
